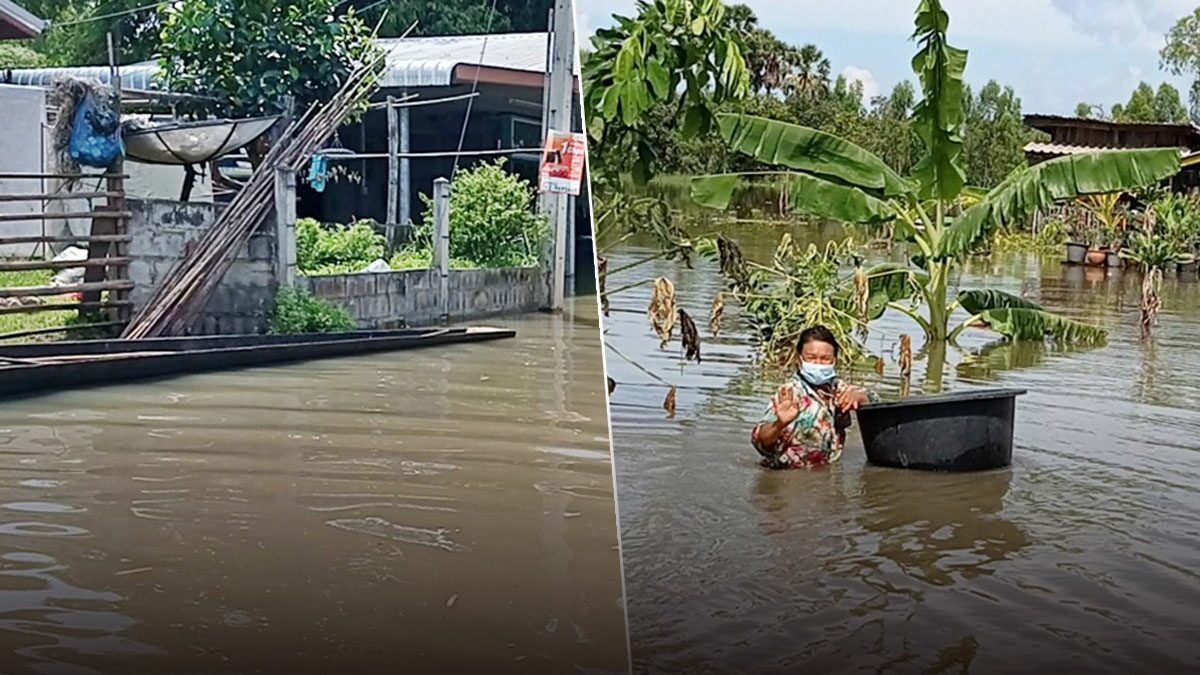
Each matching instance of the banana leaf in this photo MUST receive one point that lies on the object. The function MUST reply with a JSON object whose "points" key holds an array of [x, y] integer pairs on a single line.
{"points": [[1017, 323], [887, 282], [938, 117], [809, 195], [983, 300], [1024, 192], [810, 151]]}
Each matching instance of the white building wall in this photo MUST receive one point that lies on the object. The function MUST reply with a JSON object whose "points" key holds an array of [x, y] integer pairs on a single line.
{"points": [[22, 113]]}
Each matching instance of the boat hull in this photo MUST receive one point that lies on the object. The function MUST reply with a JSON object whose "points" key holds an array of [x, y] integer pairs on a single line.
{"points": [[104, 362]]}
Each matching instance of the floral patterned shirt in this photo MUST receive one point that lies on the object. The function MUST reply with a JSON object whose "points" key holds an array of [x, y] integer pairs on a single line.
{"points": [[815, 438]]}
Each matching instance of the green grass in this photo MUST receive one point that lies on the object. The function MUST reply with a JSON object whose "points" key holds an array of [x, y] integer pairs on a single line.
{"points": [[10, 323]]}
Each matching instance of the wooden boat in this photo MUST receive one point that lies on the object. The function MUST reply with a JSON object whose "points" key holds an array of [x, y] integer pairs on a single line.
{"points": [[55, 366]]}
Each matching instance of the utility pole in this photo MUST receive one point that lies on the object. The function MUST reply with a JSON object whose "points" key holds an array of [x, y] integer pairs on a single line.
{"points": [[556, 206]]}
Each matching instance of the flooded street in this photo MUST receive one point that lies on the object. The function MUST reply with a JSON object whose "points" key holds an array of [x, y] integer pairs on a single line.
{"points": [[1085, 554], [446, 509]]}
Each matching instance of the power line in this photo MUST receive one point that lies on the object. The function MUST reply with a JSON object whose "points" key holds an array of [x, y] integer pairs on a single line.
{"points": [[462, 136], [135, 10]]}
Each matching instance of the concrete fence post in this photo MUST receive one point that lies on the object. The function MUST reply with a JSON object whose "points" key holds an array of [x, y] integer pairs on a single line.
{"points": [[285, 227], [441, 244]]}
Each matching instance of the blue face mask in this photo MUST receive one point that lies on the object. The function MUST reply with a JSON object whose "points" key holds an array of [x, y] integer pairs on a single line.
{"points": [[817, 374]]}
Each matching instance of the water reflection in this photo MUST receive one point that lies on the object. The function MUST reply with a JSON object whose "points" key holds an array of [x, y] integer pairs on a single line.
{"points": [[346, 515], [940, 528]]}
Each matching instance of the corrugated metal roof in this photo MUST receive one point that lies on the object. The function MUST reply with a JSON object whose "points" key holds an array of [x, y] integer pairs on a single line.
{"points": [[1035, 120], [133, 76], [1063, 149], [411, 62], [430, 61], [23, 22]]}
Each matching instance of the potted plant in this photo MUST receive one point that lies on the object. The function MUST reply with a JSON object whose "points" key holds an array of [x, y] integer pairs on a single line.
{"points": [[1076, 238], [1097, 241]]}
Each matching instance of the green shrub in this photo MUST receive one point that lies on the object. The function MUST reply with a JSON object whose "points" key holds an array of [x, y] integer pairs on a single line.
{"points": [[492, 221], [297, 311], [336, 249], [19, 55]]}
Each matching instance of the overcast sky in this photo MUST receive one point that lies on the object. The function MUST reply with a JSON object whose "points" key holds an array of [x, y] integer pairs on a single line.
{"points": [[1055, 53]]}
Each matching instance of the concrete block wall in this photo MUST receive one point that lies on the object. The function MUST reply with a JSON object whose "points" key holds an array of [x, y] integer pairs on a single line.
{"points": [[410, 297], [164, 231]]}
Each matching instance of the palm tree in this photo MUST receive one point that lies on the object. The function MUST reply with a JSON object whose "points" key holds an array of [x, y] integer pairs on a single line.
{"points": [[809, 72]]}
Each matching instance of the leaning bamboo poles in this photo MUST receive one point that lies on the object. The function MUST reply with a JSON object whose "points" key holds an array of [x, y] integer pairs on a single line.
{"points": [[177, 301]]}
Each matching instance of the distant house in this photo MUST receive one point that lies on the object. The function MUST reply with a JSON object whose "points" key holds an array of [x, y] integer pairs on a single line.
{"points": [[497, 82], [1076, 135], [18, 24]]}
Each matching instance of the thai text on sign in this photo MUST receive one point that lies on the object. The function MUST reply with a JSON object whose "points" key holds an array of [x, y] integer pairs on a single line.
{"points": [[562, 163]]}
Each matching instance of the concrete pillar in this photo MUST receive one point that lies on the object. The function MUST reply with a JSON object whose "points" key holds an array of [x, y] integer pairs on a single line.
{"points": [[559, 97], [393, 137], [441, 244], [285, 227], [405, 187]]}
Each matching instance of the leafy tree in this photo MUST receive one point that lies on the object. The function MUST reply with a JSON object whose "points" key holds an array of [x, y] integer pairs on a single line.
{"points": [[679, 53], [831, 177], [995, 136], [18, 55], [1140, 107], [456, 17], [1089, 111], [77, 38], [1181, 54], [492, 219], [249, 54], [1167, 105]]}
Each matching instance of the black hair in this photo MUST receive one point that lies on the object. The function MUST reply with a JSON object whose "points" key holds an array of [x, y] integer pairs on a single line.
{"points": [[819, 333]]}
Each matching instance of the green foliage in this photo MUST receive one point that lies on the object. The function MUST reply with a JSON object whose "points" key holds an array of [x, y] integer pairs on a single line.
{"points": [[492, 220], [336, 249], [1181, 54], [1038, 187], [980, 301], [939, 116], [1036, 324], [297, 311], [1148, 105], [1151, 252], [995, 137], [77, 38], [1049, 239], [19, 55], [801, 288], [679, 53], [835, 178], [249, 54]]}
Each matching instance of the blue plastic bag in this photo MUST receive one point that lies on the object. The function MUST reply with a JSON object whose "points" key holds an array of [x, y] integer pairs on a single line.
{"points": [[318, 173], [95, 135]]}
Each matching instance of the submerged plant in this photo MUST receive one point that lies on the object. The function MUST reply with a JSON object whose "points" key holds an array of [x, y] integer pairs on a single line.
{"points": [[832, 178]]}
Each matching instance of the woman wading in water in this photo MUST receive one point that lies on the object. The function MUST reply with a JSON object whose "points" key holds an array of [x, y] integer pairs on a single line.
{"points": [[807, 421]]}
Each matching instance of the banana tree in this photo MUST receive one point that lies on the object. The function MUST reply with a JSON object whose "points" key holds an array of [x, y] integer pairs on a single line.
{"points": [[832, 178]]}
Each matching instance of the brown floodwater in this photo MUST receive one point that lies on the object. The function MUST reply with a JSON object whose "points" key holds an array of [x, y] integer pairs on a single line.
{"points": [[448, 509], [1083, 556]]}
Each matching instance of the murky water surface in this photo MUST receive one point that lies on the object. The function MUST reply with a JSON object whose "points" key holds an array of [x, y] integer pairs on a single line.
{"points": [[1085, 555], [438, 510]]}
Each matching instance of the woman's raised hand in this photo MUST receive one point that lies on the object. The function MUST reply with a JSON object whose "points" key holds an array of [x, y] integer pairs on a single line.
{"points": [[785, 404]]}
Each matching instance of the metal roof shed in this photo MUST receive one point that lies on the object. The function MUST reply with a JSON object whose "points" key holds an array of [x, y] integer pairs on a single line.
{"points": [[16, 23]]}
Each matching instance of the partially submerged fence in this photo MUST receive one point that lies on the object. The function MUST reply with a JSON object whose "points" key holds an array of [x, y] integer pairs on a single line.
{"points": [[105, 285]]}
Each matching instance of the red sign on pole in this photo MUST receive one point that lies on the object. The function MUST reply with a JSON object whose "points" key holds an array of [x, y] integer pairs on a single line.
{"points": [[562, 163]]}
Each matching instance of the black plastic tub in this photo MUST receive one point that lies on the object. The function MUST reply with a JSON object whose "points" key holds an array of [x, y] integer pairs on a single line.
{"points": [[967, 431]]}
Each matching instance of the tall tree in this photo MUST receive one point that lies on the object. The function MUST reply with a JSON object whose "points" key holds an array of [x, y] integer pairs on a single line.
{"points": [[809, 76], [1181, 54], [994, 137], [1168, 107]]}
